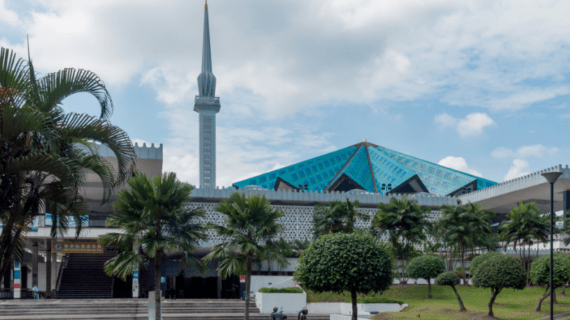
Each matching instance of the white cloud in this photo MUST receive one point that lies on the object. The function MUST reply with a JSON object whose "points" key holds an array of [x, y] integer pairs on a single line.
{"points": [[518, 169], [533, 151], [458, 163], [472, 53], [8, 16], [472, 125], [501, 152], [444, 120]]}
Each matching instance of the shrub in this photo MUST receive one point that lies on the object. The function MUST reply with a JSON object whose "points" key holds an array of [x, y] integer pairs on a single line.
{"points": [[499, 272], [281, 290], [476, 262], [378, 299], [451, 279], [426, 267], [354, 262], [540, 273]]}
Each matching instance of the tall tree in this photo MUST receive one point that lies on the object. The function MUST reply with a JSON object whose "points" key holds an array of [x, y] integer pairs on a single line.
{"points": [[338, 217], [249, 223], [46, 153], [524, 226], [406, 223], [465, 227], [155, 221]]}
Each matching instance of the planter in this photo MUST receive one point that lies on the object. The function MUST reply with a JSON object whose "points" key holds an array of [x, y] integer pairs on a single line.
{"points": [[291, 302], [345, 308]]}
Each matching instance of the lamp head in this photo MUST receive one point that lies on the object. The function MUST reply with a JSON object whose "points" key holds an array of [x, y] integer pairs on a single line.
{"points": [[551, 177]]}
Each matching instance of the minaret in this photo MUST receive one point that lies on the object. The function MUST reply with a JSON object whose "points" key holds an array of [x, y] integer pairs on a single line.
{"points": [[207, 105]]}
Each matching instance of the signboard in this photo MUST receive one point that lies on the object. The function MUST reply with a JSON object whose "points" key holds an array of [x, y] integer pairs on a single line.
{"points": [[71, 221], [242, 279], [76, 247], [17, 280], [136, 281]]}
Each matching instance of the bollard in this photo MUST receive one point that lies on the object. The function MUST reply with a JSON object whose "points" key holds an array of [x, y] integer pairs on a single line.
{"points": [[303, 314], [278, 315]]}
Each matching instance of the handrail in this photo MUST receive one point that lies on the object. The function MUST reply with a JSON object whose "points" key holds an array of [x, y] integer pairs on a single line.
{"points": [[63, 265]]}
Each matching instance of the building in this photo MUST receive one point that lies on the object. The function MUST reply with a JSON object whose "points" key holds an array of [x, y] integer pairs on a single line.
{"points": [[365, 172]]}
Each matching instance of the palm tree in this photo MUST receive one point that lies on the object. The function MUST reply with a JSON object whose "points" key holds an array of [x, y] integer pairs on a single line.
{"points": [[155, 222], [41, 148], [338, 217], [525, 224], [249, 224], [405, 221], [466, 227]]}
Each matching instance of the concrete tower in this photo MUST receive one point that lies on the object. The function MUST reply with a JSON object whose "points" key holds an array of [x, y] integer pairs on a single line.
{"points": [[207, 105]]}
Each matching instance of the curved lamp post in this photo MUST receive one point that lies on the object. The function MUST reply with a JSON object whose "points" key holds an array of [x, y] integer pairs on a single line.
{"points": [[551, 177]]}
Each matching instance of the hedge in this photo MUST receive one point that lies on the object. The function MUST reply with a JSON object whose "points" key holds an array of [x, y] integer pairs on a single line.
{"points": [[281, 290]]}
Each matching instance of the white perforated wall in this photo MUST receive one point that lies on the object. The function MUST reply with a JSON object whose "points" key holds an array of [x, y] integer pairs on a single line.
{"points": [[297, 222]]}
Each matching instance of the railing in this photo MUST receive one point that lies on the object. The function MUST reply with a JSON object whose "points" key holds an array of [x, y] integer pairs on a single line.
{"points": [[63, 265]]}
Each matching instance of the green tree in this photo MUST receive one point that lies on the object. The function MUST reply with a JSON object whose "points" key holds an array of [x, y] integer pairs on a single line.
{"points": [[155, 221], [250, 223], [276, 251], [426, 267], [339, 216], [405, 221], [498, 273], [353, 262], [540, 273], [525, 225], [451, 279], [45, 153], [465, 227]]}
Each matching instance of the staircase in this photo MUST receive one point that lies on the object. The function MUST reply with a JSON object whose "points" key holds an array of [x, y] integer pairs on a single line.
{"points": [[84, 278], [135, 309]]}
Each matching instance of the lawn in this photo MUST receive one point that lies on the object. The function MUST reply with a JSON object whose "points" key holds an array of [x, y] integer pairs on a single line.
{"points": [[510, 304]]}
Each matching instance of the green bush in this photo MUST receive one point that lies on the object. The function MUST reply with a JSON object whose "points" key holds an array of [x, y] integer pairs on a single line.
{"points": [[540, 273], [448, 279], [378, 299], [337, 262], [540, 270], [281, 290], [480, 259], [426, 267], [451, 279], [499, 272]]}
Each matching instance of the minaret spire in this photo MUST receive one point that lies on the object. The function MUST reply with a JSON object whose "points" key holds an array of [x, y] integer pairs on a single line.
{"points": [[206, 79], [207, 105]]}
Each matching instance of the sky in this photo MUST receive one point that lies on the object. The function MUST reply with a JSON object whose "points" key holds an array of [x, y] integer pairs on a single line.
{"points": [[479, 86]]}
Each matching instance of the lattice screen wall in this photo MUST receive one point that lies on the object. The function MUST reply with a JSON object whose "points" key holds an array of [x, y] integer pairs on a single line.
{"points": [[297, 222]]}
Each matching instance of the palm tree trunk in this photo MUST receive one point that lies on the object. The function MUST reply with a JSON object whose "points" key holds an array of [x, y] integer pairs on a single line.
{"points": [[461, 306], [354, 306], [247, 285], [463, 265], [157, 267]]}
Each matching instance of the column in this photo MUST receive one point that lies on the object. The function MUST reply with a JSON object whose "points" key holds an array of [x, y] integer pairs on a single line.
{"points": [[566, 203], [48, 268], [136, 281], [17, 280], [34, 263]]}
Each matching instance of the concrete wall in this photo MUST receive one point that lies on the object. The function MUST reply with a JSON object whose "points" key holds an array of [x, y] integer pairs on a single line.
{"points": [[290, 302], [258, 282], [42, 273]]}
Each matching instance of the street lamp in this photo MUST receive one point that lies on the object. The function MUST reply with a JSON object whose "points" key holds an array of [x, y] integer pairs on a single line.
{"points": [[551, 177]]}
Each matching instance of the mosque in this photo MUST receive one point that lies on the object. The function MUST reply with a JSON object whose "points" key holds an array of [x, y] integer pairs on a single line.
{"points": [[365, 172]]}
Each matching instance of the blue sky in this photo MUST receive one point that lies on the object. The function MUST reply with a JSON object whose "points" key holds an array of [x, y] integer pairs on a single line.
{"points": [[479, 86]]}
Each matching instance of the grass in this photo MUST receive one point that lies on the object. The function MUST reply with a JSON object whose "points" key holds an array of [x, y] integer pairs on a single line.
{"points": [[510, 304]]}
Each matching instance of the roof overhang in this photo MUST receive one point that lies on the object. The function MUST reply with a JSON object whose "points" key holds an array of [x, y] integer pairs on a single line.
{"points": [[502, 197]]}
